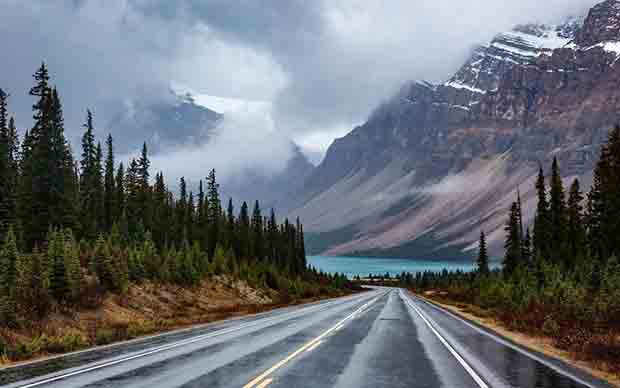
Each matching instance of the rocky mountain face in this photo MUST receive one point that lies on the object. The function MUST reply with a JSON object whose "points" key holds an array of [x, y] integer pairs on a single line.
{"points": [[435, 164]]}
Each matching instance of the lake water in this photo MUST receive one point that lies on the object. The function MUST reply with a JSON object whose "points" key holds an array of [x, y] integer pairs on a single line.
{"points": [[362, 266]]}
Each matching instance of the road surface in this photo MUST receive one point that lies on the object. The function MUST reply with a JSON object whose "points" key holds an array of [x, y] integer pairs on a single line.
{"points": [[382, 338]]}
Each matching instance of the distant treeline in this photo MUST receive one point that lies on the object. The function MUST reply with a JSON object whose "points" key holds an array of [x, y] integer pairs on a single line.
{"points": [[75, 229]]}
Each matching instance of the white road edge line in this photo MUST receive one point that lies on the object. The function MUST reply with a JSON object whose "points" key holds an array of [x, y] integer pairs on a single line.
{"points": [[308, 345], [458, 357], [512, 346], [167, 347]]}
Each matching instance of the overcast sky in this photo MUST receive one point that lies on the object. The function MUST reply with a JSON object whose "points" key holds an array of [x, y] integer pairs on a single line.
{"points": [[323, 63]]}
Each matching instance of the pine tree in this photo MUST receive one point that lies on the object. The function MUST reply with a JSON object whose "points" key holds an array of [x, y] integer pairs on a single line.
{"points": [[575, 224], [604, 202], [258, 250], [39, 165], [7, 170], [110, 207], [483, 257], [88, 181], [55, 253], [526, 251], [161, 219], [73, 274], [557, 212], [231, 228], [8, 278], [214, 211], [513, 243], [120, 192], [244, 232], [542, 221], [144, 189], [181, 212]]}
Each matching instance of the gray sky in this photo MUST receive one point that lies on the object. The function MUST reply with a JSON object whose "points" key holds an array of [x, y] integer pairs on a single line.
{"points": [[323, 63]]}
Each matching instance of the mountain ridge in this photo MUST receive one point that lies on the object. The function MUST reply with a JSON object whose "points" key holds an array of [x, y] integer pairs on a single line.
{"points": [[443, 161]]}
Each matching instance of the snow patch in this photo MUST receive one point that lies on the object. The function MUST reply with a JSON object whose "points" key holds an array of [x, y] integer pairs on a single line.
{"points": [[458, 85]]}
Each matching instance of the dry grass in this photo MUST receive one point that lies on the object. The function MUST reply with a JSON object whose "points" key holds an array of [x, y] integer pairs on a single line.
{"points": [[596, 351]]}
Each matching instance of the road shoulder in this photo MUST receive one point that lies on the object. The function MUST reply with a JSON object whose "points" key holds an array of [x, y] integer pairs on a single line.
{"points": [[540, 344]]}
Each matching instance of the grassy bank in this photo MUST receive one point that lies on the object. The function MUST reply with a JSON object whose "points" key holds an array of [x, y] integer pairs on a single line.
{"points": [[578, 321], [145, 308]]}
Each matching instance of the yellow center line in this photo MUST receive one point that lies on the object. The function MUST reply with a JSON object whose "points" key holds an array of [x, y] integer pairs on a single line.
{"points": [[311, 348], [304, 348], [265, 383]]}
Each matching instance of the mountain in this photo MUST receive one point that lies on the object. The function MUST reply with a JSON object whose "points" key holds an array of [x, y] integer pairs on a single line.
{"points": [[186, 120], [438, 162]]}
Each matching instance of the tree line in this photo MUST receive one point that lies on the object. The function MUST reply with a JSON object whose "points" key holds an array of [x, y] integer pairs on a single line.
{"points": [[561, 277], [570, 229], [73, 225]]}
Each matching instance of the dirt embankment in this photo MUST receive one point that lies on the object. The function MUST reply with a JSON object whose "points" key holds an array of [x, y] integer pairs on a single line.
{"points": [[540, 343], [146, 308]]}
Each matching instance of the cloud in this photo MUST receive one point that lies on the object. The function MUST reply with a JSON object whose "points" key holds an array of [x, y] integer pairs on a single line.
{"points": [[325, 64], [233, 151]]}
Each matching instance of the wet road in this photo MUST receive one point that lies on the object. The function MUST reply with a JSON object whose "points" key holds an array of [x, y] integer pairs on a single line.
{"points": [[382, 338]]}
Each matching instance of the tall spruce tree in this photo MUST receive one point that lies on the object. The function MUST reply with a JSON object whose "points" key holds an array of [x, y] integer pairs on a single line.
{"points": [[258, 247], [110, 193], [483, 256], [214, 212], [575, 231], [88, 181], [7, 169], [513, 244], [557, 213], [144, 189], [542, 220]]}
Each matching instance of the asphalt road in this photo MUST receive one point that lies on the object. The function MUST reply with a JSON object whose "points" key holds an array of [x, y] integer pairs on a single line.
{"points": [[382, 338]]}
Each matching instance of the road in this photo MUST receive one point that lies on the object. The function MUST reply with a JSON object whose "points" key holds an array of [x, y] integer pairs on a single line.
{"points": [[381, 338]]}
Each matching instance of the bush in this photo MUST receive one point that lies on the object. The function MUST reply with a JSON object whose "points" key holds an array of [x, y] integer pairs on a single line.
{"points": [[104, 336], [67, 342]]}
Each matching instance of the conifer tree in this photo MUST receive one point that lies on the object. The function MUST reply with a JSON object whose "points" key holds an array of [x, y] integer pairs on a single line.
{"points": [[257, 233], [526, 251], [557, 212], [88, 181], [144, 189], [110, 194], [244, 232], [542, 221], [483, 256], [55, 253], [513, 243], [231, 232], [214, 212], [120, 192], [181, 212], [7, 169], [575, 230], [73, 273], [40, 164], [8, 278], [161, 220]]}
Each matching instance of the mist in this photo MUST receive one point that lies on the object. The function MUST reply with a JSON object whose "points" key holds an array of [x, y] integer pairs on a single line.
{"points": [[324, 65]]}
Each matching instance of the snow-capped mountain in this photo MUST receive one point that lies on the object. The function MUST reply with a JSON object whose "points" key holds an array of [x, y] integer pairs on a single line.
{"points": [[438, 162]]}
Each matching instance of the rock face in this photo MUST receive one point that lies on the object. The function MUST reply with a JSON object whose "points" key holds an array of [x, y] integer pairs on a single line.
{"points": [[440, 162]]}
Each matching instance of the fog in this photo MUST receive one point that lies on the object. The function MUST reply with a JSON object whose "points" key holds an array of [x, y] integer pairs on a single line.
{"points": [[323, 64]]}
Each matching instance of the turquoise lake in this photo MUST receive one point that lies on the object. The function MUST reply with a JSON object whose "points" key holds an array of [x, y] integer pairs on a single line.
{"points": [[363, 266]]}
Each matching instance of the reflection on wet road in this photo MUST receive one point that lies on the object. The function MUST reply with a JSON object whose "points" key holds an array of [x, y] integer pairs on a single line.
{"points": [[382, 338]]}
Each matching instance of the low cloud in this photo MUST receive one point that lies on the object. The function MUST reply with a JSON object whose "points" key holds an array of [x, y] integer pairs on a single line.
{"points": [[246, 142]]}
